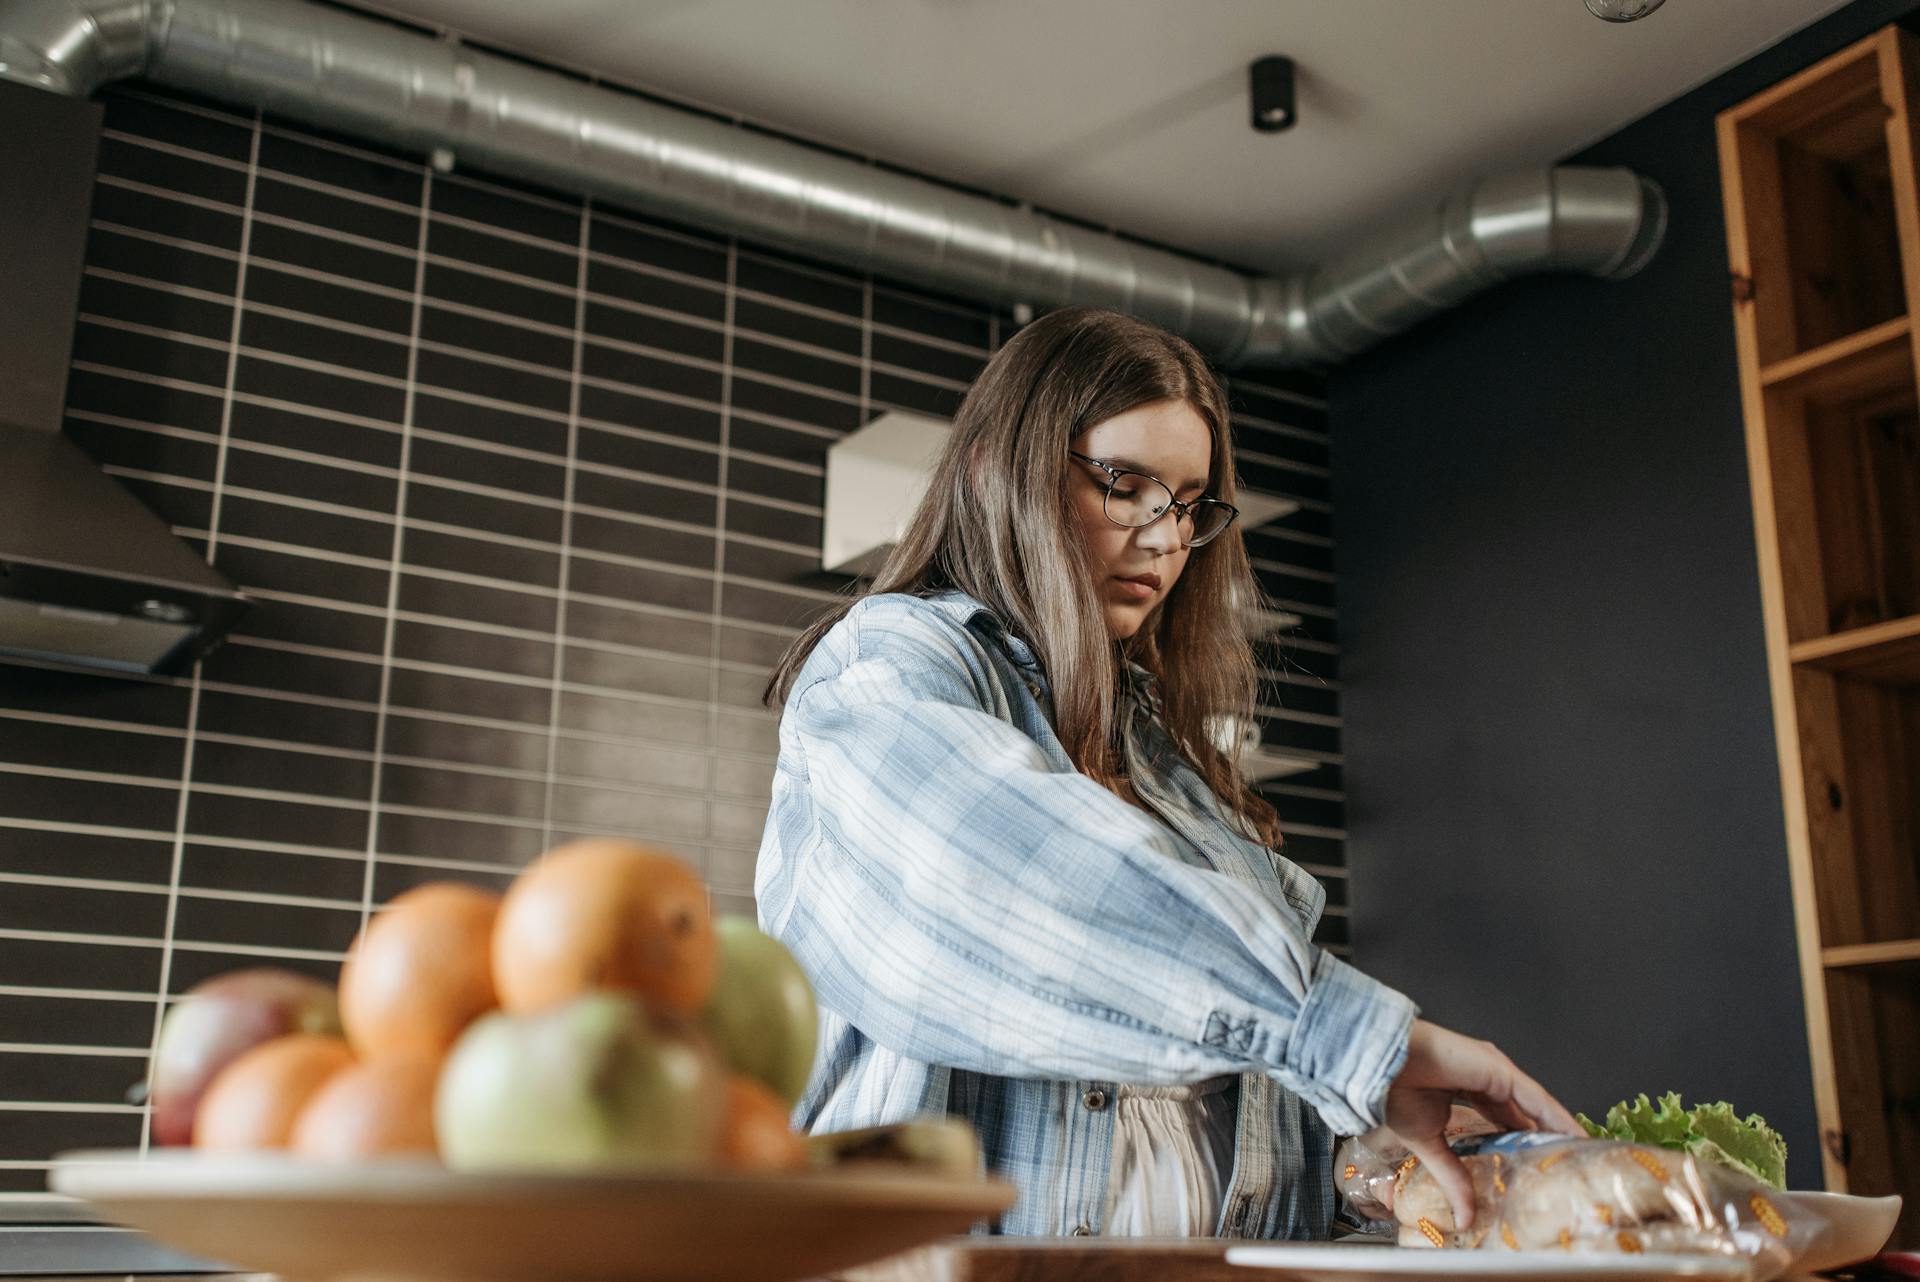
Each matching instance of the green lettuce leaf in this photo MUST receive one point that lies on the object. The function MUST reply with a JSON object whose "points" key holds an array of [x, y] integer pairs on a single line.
{"points": [[1666, 1123], [1748, 1143], [1711, 1132]]}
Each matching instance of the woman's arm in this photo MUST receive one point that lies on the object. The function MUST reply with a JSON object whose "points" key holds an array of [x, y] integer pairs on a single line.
{"points": [[968, 904]]}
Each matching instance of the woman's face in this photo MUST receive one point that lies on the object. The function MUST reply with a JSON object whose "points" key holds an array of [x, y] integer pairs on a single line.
{"points": [[1135, 569]]}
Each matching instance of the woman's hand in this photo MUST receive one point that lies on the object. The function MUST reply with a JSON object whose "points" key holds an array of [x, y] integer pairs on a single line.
{"points": [[1443, 1066]]}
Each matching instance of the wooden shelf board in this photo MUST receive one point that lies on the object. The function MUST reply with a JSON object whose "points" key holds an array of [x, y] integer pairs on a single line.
{"points": [[1873, 360], [1833, 79], [1888, 652], [1881, 954]]}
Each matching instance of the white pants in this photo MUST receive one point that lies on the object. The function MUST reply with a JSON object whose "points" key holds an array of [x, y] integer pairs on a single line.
{"points": [[1172, 1158]]}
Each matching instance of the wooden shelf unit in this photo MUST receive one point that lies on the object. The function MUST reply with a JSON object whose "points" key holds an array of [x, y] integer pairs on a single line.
{"points": [[1887, 652], [1891, 953], [1823, 237]]}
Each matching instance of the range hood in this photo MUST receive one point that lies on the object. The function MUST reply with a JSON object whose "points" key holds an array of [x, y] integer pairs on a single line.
{"points": [[89, 576]]}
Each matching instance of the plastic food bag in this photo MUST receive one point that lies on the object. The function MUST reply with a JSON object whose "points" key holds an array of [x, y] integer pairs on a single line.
{"points": [[1537, 1191]]}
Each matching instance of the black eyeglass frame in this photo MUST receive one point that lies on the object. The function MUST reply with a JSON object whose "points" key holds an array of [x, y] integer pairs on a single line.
{"points": [[1180, 507]]}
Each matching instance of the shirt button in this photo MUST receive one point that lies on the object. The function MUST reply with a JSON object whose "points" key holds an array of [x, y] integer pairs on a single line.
{"points": [[1081, 1230], [1094, 1100]]}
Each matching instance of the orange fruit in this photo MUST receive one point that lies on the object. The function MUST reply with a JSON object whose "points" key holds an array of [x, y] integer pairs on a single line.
{"points": [[383, 1106], [757, 1136], [420, 972], [598, 914], [253, 1102]]}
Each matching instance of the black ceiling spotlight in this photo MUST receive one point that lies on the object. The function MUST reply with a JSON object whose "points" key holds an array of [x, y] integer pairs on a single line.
{"points": [[1272, 83]]}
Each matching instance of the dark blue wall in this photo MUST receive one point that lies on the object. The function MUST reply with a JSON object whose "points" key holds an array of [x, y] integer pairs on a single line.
{"points": [[1564, 800]]}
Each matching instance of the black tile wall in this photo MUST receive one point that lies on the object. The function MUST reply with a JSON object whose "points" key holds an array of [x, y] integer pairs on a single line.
{"points": [[528, 493]]}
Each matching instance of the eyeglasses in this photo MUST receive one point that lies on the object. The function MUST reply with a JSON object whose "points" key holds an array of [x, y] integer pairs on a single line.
{"points": [[1137, 500]]}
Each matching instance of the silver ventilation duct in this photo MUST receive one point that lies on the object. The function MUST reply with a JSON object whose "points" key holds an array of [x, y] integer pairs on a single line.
{"points": [[361, 76]]}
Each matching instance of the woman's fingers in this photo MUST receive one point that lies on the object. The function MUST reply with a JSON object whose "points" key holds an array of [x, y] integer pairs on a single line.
{"points": [[1448, 1172], [1516, 1100], [1507, 1113], [1549, 1112], [1523, 1104]]}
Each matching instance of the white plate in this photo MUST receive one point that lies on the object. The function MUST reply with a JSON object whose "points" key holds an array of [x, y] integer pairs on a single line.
{"points": [[413, 1221], [1393, 1263], [1859, 1227]]}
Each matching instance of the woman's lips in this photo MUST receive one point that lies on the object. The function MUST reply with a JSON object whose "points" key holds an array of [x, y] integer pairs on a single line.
{"points": [[1136, 589]]}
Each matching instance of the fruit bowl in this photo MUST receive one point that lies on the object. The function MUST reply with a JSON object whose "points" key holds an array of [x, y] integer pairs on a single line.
{"points": [[405, 1220]]}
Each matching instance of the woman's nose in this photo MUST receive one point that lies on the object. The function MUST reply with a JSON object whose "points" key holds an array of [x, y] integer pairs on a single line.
{"points": [[1162, 536]]}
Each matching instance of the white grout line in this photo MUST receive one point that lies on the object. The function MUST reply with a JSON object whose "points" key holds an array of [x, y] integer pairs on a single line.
{"points": [[177, 945], [213, 545], [1315, 436], [82, 883], [1312, 830], [1284, 464], [345, 149], [301, 182], [63, 827], [86, 776], [143, 282], [866, 350], [62, 1048], [77, 994], [560, 638], [374, 288], [720, 522], [93, 723], [1296, 536], [256, 950], [172, 242], [520, 194], [1300, 679], [79, 937], [175, 149], [396, 559], [334, 234], [164, 193], [256, 846], [1293, 571]]}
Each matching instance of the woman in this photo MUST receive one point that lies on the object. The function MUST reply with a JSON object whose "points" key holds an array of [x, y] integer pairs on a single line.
{"points": [[1029, 885]]}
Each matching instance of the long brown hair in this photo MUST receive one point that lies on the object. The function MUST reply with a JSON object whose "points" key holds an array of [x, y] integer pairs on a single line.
{"points": [[997, 524]]}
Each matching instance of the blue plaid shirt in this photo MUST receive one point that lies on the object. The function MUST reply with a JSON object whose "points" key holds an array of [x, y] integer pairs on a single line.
{"points": [[995, 936]]}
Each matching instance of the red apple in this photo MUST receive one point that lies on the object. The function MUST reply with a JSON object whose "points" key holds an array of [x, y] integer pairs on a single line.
{"points": [[216, 1022]]}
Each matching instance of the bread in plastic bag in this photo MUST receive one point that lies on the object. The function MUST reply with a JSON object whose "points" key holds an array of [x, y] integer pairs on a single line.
{"points": [[1537, 1191]]}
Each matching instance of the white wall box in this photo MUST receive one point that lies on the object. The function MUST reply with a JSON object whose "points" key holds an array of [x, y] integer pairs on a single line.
{"points": [[875, 478]]}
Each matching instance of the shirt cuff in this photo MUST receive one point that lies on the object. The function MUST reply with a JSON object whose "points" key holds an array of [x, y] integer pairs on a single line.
{"points": [[1350, 1041]]}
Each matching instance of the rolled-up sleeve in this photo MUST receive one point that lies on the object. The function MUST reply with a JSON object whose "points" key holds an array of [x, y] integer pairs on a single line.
{"points": [[964, 901]]}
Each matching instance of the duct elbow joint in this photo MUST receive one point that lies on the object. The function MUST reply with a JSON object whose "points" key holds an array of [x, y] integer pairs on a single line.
{"points": [[73, 47]]}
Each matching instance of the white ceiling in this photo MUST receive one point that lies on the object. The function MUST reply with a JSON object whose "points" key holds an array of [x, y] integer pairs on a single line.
{"points": [[1133, 113]]}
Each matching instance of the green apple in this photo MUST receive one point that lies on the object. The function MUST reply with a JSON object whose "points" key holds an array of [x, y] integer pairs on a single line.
{"points": [[761, 1015], [597, 1082]]}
